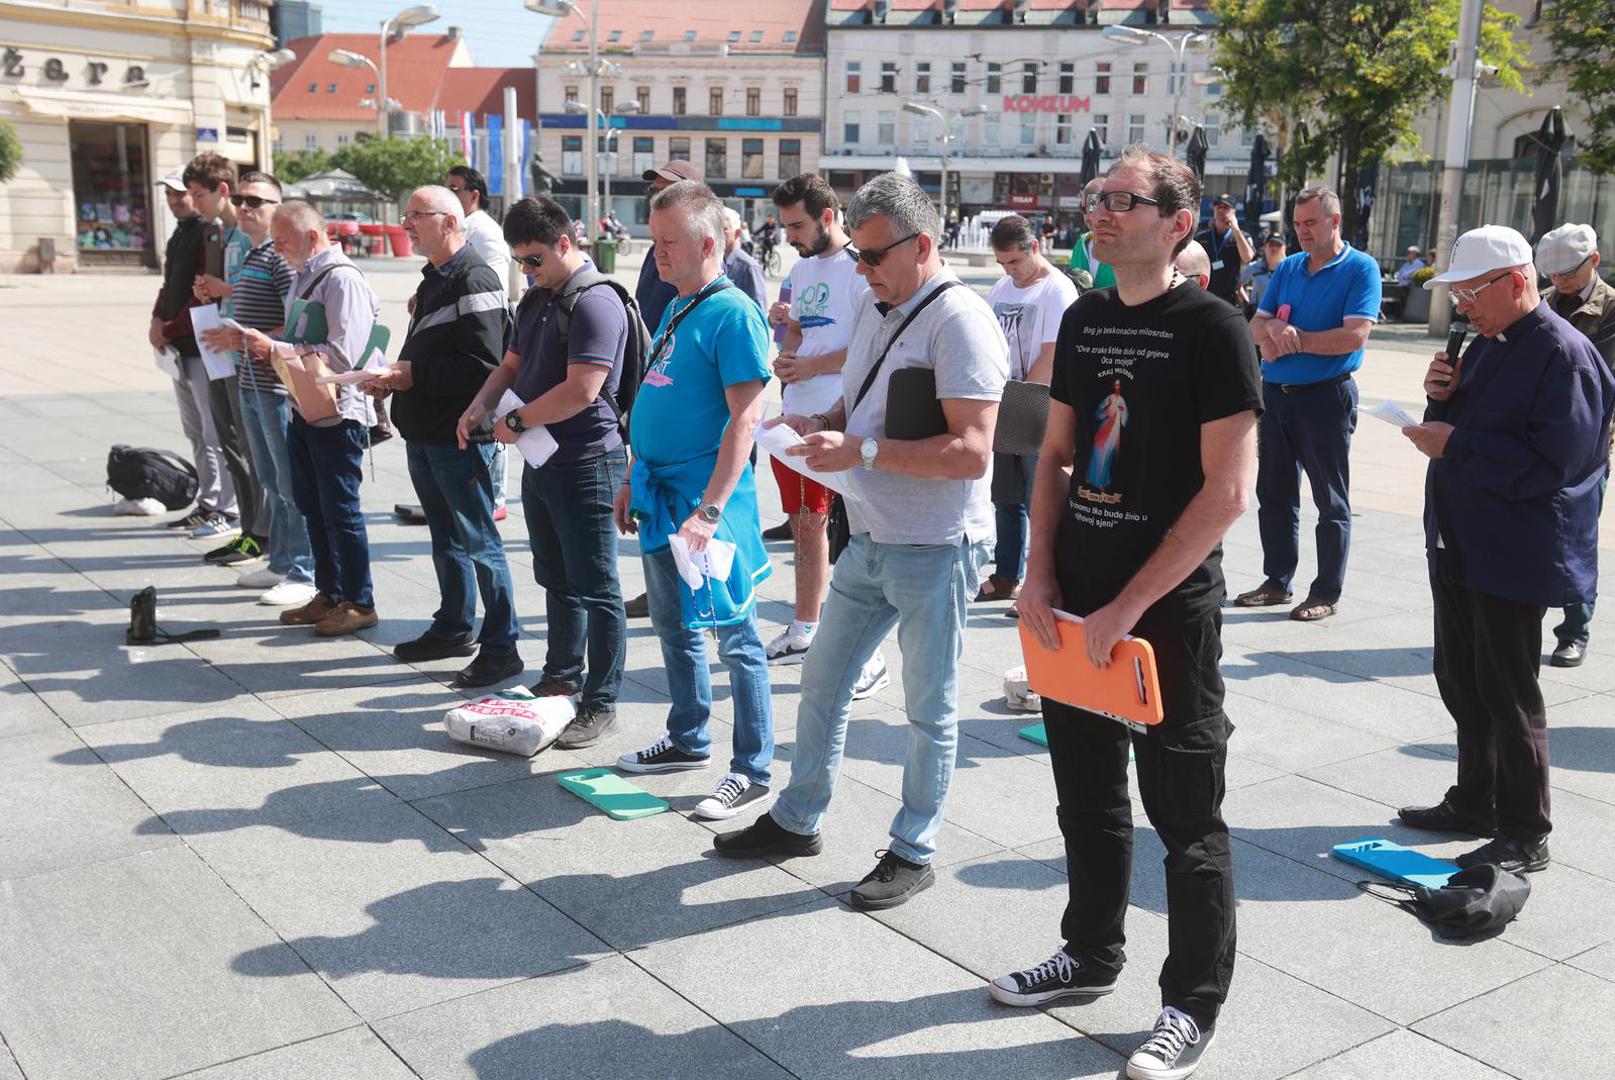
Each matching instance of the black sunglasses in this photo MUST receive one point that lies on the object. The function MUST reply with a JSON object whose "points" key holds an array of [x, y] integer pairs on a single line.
{"points": [[1117, 202], [252, 202], [532, 262], [873, 256]]}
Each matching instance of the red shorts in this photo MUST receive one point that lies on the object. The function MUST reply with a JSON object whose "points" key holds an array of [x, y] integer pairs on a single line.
{"points": [[798, 494]]}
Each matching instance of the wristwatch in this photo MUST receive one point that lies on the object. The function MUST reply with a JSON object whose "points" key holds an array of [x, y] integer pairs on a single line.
{"points": [[867, 450], [513, 421], [711, 513]]}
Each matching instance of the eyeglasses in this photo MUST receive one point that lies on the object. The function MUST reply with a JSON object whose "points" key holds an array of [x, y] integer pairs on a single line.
{"points": [[456, 190], [252, 202], [416, 215], [1572, 272], [1117, 202], [873, 256], [532, 262], [1469, 296]]}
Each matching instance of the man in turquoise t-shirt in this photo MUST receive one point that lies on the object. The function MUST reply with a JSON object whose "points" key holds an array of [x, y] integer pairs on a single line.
{"points": [[692, 485]]}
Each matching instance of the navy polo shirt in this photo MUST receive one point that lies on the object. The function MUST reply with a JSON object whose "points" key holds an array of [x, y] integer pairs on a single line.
{"points": [[1347, 287]]}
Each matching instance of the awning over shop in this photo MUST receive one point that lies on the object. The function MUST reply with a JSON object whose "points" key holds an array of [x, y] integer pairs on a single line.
{"points": [[78, 105]]}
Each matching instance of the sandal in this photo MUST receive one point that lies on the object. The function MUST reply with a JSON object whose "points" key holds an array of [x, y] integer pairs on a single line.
{"points": [[1266, 596], [998, 588], [1313, 609]]}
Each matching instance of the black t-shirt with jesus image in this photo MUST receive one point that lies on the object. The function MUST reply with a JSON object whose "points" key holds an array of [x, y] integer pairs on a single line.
{"points": [[1142, 380]]}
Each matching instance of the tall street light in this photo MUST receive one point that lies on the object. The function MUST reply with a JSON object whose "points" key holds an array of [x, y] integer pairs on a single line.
{"points": [[625, 109], [947, 117], [1178, 46], [594, 69], [410, 17]]}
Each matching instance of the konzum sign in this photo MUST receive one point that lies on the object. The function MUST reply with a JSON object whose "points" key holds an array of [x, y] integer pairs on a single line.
{"points": [[1055, 103]]}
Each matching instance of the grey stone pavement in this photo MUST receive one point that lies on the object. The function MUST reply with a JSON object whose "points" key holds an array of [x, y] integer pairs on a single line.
{"points": [[261, 857]]}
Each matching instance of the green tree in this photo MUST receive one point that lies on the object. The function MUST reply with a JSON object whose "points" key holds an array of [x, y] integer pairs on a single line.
{"points": [[1359, 72], [300, 165], [10, 151], [393, 167], [1583, 36]]}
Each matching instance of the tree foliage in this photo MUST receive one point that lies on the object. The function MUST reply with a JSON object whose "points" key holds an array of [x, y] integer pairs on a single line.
{"points": [[1359, 72], [10, 151], [394, 167], [300, 165], [1583, 37]]}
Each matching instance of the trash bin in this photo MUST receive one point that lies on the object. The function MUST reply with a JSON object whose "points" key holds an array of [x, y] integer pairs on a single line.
{"points": [[605, 255], [399, 239]]}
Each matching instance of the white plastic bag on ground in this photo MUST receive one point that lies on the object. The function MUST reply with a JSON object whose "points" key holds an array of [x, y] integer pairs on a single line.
{"points": [[139, 507], [1018, 693], [512, 722]]}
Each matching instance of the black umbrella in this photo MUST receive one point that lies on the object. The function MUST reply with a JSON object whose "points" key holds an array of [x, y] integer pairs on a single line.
{"points": [[1550, 140], [1256, 186], [1092, 151], [1296, 151], [1367, 182], [1196, 153]]}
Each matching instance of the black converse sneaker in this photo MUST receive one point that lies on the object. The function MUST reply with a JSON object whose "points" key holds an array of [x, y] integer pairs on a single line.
{"points": [[661, 756], [1173, 1051], [1061, 975], [736, 794]]}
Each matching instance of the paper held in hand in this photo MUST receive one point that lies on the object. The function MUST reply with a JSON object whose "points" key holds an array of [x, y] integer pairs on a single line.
{"points": [[714, 561], [536, 444], [1392, 413], [375, 367], [219, 365], [167, 359], [777, 439]]}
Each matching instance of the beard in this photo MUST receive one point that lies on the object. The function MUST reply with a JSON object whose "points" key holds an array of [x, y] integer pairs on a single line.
{"points": [[821, 240]]}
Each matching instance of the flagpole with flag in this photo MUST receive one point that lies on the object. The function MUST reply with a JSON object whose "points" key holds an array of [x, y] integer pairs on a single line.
{"points": [[468, 144]]}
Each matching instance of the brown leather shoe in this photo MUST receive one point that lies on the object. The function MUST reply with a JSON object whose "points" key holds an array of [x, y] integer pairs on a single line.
{"points": [[346, 618], [310, 613]]}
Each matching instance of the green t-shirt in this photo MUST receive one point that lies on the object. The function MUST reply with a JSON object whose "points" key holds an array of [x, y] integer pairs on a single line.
{"points": [[1080, 259]]}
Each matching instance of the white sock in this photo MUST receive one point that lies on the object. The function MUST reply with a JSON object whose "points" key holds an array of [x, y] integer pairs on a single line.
{"points": [[803, 629]]}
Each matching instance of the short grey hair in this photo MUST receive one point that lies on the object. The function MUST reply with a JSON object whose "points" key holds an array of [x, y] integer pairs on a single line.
{"points": [[441, 199], [1331, 201], [302, 216], [903, 202], [702, 210]]}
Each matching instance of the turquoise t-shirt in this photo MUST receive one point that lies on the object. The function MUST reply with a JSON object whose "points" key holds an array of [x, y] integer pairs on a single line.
{"points": [[680, 412]]}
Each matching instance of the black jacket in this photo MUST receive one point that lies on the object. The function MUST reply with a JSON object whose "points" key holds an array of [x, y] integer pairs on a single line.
{"points": [[456, 337], [182, 261]]}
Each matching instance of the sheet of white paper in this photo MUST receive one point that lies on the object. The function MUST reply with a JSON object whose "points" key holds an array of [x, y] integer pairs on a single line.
{"points": [[536, 444], [167, 359], [1391, 413], [219, 365], [715, 561], [348, 378], [778, 439]]}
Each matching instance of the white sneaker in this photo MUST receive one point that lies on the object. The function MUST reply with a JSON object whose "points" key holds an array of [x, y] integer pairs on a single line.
{"points": [[872, 679], [1173, 1051], [735, 795], [260, 579], [790, 647], [288, 594]]}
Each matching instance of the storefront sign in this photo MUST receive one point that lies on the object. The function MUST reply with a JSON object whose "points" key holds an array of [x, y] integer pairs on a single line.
{"points": [[1022, 202], [1055, 103], [207, 134], [14, 64]]}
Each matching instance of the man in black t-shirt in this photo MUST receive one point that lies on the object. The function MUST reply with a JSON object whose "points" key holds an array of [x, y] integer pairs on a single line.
{"points": [[1153, 410], [1229, 248]]}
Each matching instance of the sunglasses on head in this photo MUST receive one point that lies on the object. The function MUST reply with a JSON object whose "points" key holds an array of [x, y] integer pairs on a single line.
{"points": [[873, 256], [252, 202]]}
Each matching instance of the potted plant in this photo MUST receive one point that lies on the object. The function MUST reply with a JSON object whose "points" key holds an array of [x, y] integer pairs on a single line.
{"points": [[1416, 308]]}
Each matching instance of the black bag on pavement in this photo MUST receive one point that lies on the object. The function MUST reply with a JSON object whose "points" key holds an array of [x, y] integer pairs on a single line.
{"points": [[143, 628], [1472, 902], [144, 473]]}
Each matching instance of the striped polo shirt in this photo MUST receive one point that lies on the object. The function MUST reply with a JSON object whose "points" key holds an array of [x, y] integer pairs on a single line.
{"points": [[261, 289]]}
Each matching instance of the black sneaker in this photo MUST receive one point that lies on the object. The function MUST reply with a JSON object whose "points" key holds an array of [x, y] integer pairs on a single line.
{"points": [[638, 607], [1061, 975], [1507, 853], [489, 668], [782, 531], [662, 756], [1173, 1050], [195, 519], [589, 725], [242, 549], [765, 836], [550, 686], [430, 646], [735, 795], [893, 881], [1444, 817]]}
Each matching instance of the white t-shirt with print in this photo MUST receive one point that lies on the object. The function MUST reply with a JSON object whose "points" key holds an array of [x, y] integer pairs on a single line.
{"points": [[825, 293], [1030, 317]]}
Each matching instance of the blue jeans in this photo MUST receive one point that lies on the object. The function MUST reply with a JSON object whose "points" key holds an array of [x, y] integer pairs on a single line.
{"points": [[684, 655], [1010, 553], [924, 590], [327, 468], [456, 493], [1575, 630], [265, 418], [1310, 429], [574, 543]]}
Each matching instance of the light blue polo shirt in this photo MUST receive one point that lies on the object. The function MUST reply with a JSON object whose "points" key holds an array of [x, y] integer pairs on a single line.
{"points": [[1348, 287]]}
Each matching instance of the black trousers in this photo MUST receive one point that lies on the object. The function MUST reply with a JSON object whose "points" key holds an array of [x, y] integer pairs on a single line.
{"points": [[251, 502], [1487, 658], [1180, 765]]}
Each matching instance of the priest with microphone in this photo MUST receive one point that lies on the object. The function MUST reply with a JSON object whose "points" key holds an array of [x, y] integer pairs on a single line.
{"points": [[1515, 432]]}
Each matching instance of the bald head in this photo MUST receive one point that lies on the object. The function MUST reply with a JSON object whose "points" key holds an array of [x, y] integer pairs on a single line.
{"points": [[441, 199], [1193, 263]]}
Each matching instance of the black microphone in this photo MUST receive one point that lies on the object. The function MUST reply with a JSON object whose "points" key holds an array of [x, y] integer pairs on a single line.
{"points": [[1455, 343]]}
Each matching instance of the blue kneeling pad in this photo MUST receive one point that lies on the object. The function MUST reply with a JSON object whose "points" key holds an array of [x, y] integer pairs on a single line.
{"points": [[1396, 862]]}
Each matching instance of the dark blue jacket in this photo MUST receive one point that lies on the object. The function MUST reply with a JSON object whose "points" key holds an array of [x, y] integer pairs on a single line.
{"points": [[1511, 508], [652, 293]]}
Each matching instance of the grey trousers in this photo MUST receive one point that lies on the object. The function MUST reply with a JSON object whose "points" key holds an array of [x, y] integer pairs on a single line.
{"points": [[225, 397], [215, 488]]}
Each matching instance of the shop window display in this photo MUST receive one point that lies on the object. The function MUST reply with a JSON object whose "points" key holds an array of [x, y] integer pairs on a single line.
{"points": [[112, 191]]}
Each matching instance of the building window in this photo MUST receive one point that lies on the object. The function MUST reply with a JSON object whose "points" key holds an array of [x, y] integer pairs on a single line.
{"points": [[790, 157], [995, 78], [1062, 129], [1028, 129], [922, 77], [717, 159], [608, 98], [886, 128], [1101, 128], [678, 148], [644, 154], [1101, 78], [572, 155], [956, 78], [1068, 77], [715, 101], [678, 101], [614, 37], [989, 130], [854, 76], [734, 37], [343, 139], [1212, 126], [331, 89], [888, 77], [689, 35], [1141, 78], [311, 141], [647, 35], [571, 93], [751, 159], [790, 37], [313, 87], [756, 37], [850, 134], [1029, 77], [1135, 128], [790, 101], [754, 101], [642, 95], [1214, 89], [579, 35], [370, 88], [278, 145]]}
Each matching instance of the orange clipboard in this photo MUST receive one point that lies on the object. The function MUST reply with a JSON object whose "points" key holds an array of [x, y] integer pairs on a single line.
{"points": [[1128, 691]]}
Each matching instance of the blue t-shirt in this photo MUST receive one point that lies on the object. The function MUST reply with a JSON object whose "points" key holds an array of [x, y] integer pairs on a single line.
{"points": [[597, 334], [680, 412], [1347, 288]]}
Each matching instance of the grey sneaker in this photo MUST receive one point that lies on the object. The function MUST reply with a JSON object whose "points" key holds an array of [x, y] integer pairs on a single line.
{"points": [[589, 725], [1172, 1051], [735, 795], [1061, 975]]}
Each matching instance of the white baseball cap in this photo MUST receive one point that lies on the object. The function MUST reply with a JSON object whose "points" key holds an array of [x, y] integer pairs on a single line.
{"points": [[1478, 251], [1565, 248], [173, 182]]}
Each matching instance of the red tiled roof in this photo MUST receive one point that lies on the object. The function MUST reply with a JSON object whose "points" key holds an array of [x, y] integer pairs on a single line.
{"points": [[482, 91], [415, 68], [713, 21]]}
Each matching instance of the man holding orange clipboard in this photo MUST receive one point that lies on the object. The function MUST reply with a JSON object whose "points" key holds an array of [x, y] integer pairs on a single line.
{"points": [[1148, 458]]}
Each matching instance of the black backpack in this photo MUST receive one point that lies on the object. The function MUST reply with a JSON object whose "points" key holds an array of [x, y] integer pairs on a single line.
{"points": [[144, 473], [635, 348]]}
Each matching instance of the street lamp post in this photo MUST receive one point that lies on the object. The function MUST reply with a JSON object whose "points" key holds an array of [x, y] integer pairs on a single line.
{"points": [[594, 69], [947, 116], [419, 15], [1178, 46]]}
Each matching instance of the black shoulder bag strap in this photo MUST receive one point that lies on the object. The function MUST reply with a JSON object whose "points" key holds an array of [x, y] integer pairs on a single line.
{"points": [[869, 380], [661, 339]]}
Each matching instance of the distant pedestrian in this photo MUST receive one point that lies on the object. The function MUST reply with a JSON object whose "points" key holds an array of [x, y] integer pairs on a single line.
{"points": [[1228, 250]]}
